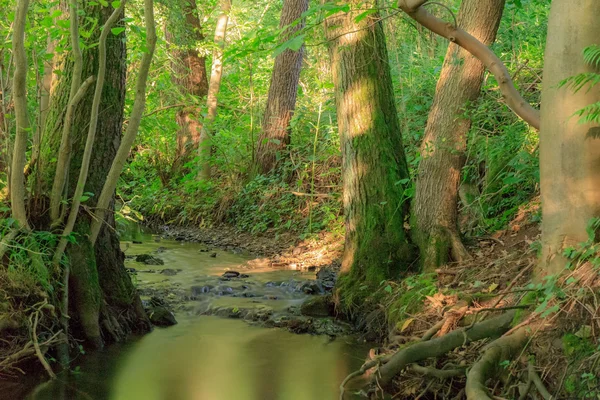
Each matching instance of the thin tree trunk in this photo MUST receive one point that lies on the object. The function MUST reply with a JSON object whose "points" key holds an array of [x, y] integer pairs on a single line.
{"points": [[204, 145], [64, 155], [189, 73], [569, 150], [281, 101], [17, 177], [434, 207], [373, 161], [108, 190]]}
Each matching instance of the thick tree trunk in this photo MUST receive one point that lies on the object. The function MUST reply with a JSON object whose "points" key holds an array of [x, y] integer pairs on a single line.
{"points": [[281, 100], [104, 304], [434, 210], [373, 164], [204, 144], [569, 150], [184, 33]]}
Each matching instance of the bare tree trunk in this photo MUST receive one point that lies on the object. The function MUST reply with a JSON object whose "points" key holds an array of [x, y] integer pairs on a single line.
{"points": [[281, 100], [17, 183], [373, 163], [434, 208], [189, 73], [204, 145], [569, 150]]}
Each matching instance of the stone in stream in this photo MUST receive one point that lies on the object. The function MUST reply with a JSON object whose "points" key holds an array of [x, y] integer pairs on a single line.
{"points": [[327, 276], [213, 255], [170, 271], [233, 274], [158, 313], [149, 259], [199, 290], [136, 242], [321, 306]]}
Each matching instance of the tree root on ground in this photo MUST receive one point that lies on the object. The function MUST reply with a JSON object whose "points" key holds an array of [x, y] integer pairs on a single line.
{"points": [[499, 350], [439, 346], [391, 365]]}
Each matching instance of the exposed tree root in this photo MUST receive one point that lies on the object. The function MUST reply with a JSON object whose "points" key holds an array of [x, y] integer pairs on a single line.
{"points": [[537, 381], [441, 345], [499, 350]]}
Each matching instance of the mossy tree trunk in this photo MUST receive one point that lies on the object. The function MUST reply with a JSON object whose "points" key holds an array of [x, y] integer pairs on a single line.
{"points": [[434, 208], [104, 304], [281, 101], [374, 166], [184, 34], [569, 150]]}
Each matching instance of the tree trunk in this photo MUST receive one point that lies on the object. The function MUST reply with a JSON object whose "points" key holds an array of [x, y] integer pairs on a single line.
{"points": [[184, 33], [373, 162], [569, 150], [204, 145], [434, 210], [281, 100], [104, 303]]}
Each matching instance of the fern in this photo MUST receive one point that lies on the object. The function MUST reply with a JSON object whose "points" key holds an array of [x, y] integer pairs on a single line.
{"points": [[591, 55], [578, 81], [590, 113]]}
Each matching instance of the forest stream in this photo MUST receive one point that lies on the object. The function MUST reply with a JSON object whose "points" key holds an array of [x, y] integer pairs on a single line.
{"points": [[205, 356]]}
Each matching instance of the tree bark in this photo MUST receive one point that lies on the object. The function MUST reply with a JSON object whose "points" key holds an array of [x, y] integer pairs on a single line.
{"points": [[281, 101], [17, 176], [184, 33], [104, 305], [434, 212], [373, 161], [569, 150], [204, 145]]}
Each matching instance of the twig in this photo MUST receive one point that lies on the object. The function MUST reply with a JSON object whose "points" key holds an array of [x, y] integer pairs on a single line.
{"points": [[36, 346], [537, 381]]}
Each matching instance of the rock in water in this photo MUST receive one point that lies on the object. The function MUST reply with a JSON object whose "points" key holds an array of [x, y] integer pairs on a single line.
{"points": [[160, 316], [169, 272], [158, 313], [327, 276], [149, 259], [321, 306], [231, 274]]}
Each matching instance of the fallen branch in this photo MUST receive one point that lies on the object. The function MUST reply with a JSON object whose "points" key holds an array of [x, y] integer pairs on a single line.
{"points": [[488, 365], [439, 346]]}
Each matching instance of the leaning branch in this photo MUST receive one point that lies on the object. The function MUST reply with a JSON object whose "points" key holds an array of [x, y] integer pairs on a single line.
{"points": [[414, 9], [17, 176], [132, 128]]}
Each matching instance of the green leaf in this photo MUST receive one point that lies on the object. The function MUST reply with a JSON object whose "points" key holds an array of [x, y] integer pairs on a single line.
{"points": [[117, 31]]}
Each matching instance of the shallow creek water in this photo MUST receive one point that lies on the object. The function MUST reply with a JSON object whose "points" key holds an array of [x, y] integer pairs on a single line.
{"points": [[208, 357]]}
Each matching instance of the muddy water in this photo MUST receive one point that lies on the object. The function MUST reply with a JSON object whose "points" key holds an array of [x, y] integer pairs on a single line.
{"points": [[208, 357]]}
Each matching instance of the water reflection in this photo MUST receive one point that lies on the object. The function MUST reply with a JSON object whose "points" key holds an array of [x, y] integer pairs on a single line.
{"points": [[213, 359]]}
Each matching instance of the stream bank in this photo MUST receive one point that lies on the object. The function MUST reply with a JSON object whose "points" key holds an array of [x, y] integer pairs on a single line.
{"points": [[203, 353]]}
